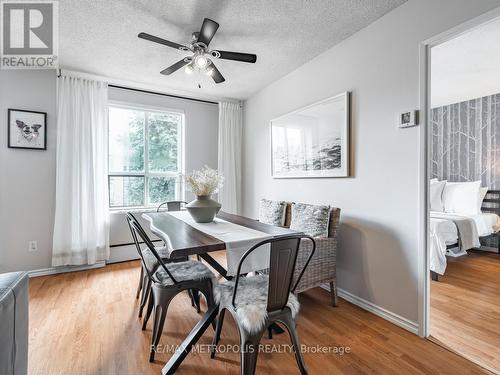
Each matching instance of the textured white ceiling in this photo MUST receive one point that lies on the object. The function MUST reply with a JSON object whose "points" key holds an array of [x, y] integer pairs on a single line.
{"points": [[100, 37], [466, 67]]}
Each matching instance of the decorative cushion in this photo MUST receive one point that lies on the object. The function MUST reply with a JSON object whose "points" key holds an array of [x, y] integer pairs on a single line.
{"points": [[436, 195], [272, 212], [184, 271], [482, 194], [461, 197], [311, 219], [251, 301], [150, 259]]}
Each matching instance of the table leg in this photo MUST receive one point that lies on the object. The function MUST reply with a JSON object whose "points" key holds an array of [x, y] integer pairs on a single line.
{"points": [[216, 266], [193, 337]]}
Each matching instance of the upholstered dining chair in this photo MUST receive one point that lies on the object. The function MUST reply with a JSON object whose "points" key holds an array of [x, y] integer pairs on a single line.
{"points": [[171, 205], [167, 280], [257, 302], [322, 268]]}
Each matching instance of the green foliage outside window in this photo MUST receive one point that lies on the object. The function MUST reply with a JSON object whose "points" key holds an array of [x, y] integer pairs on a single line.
{"points": [[163, 139], [129, 183]]}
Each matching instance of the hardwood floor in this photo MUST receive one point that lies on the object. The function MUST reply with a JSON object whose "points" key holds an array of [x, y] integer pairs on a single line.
{"points": [[465, 308], [86, 323]]}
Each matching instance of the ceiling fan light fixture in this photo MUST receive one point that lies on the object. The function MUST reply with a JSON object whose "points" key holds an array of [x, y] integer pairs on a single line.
{"points": [[200, 61]]}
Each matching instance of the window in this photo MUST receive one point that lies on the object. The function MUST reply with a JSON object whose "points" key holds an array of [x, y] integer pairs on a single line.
{"points": [[145, 156]]}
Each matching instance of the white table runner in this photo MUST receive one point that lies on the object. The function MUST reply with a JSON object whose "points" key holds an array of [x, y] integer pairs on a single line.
{"points": [[238, 240]]}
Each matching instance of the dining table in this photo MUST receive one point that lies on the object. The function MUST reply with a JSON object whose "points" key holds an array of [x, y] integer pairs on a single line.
{"points": [[183, 237]]}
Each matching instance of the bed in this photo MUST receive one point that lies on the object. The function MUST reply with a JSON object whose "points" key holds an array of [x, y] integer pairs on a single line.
{"points": [[445, 233]]}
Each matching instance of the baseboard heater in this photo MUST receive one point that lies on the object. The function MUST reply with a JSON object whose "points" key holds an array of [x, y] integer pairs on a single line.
{"points": [[64, 269], [131, 243]]}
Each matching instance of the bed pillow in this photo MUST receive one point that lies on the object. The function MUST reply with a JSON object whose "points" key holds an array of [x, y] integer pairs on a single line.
{"points": [[436, 195], [461, 197], [482, 195], [272, 212], [311, 219]]}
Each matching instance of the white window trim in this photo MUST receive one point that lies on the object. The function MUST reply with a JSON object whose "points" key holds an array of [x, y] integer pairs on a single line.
{"points": [[179, 189]]}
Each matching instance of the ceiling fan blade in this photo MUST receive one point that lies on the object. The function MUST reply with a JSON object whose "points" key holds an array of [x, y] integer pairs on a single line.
{"points": [[238, 56], [207, 31], [165, 42], [217, 77], [173, 68]]}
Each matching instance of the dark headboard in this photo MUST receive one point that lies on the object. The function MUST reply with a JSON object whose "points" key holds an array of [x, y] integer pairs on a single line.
{"points": [[491, 202]]}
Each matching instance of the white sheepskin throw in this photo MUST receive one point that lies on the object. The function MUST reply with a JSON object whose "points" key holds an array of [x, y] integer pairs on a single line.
{"points": [[182, 271], [251, 301]]}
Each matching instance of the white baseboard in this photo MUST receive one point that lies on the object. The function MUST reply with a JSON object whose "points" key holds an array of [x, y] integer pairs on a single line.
{"points": [[117, 254], [377, 310], [63, 269]]}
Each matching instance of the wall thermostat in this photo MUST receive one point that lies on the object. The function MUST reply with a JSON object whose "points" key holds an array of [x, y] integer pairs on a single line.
{"points": [[408, 119]]}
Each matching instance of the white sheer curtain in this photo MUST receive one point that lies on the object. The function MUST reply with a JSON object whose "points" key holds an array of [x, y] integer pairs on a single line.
{"points": [[229, 161], [81, 227]]}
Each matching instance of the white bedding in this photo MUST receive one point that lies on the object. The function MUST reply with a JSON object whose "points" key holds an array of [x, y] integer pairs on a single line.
{"points": [[444, 232]]}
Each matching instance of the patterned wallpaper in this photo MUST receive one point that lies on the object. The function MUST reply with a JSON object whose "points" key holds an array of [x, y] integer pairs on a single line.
{"points": [[466, 141]]}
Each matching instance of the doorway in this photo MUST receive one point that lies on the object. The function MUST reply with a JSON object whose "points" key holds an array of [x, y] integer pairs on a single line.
{"points": [[462, 267]]}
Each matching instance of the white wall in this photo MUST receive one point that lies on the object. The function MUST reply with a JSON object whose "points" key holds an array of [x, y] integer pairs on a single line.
{"points": [[27, 177], [466, 67], [378, 254]]}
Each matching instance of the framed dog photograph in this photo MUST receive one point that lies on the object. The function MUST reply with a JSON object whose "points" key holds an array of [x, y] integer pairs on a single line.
{"points": [[27, 129]]}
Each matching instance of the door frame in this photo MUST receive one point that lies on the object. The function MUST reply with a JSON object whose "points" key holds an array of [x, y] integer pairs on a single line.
{"points": [[424, 157]]}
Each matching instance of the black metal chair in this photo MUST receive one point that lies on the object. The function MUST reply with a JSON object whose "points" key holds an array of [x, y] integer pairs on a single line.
{"points": [[172, 205], [145, 285], [254, 310], [145, 282], [177, 206], [144, 288], [167, 280]]}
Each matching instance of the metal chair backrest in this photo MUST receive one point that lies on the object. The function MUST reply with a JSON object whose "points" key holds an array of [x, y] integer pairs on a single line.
{"points": [[150, 258], [282, 260], [171, 205]]}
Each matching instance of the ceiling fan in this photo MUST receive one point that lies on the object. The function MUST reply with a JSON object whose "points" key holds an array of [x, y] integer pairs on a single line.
{"points": [[201, 60]]}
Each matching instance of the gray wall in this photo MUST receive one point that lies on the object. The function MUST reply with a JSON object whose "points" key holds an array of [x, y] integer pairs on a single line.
{"points": [[27, 177], [466, 141], [378, 254]]}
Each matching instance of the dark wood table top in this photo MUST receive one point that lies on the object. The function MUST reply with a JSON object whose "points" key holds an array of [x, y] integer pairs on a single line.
{"points": [[184, 240]]}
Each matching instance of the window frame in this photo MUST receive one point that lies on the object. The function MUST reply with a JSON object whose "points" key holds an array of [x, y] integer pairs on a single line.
{"points": [[146, 174]]}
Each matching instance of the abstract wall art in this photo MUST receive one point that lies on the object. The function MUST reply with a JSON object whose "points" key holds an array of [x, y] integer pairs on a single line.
{"points": [[312, 141]]}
